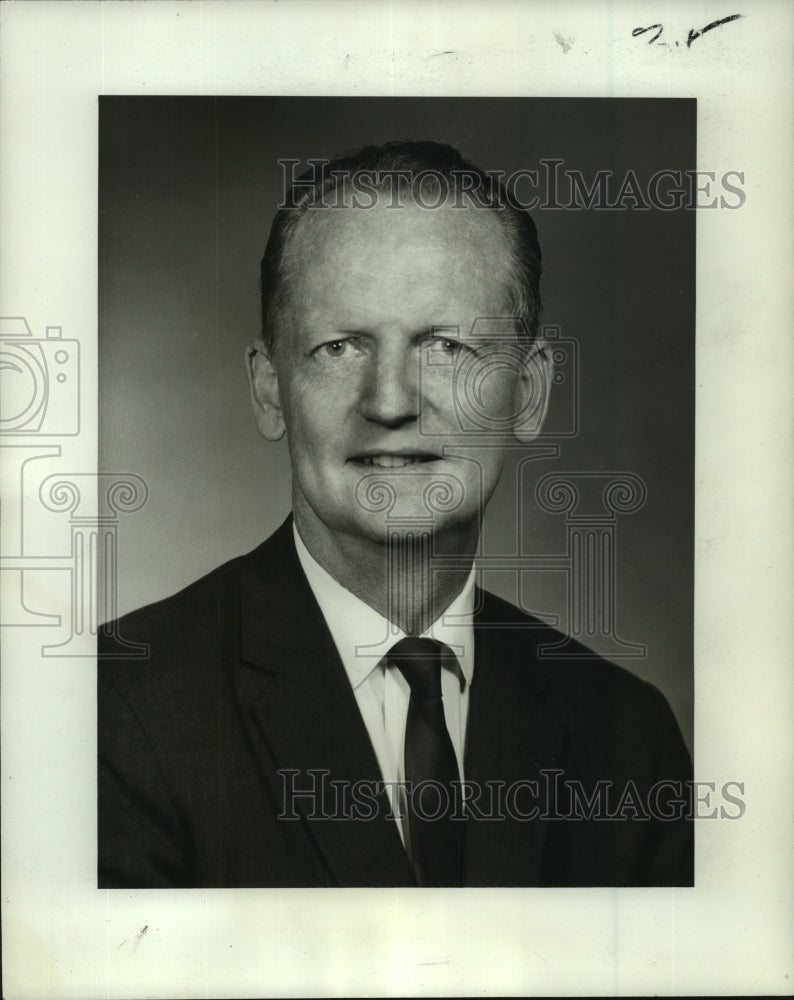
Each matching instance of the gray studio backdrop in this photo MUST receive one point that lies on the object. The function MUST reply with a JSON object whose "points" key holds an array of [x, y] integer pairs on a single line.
{"points": [[187, 191]]}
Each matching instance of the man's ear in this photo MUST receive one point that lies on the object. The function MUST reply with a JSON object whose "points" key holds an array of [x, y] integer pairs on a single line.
{"points": [[265, 395], [533, 391]]}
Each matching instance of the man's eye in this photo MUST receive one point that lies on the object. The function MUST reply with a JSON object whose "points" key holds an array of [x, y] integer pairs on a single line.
{"points": [[446, 345], [336, 348]]}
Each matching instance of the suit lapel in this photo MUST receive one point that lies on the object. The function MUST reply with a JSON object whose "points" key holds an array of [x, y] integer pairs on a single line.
{"points": [[303, 717], [513, 741]]}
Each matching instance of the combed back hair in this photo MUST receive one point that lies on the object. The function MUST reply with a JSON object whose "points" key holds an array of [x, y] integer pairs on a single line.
{"points": [[430, 174]]}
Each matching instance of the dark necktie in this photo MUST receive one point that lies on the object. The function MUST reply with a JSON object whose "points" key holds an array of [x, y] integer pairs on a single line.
{"points": [[431, 769]]}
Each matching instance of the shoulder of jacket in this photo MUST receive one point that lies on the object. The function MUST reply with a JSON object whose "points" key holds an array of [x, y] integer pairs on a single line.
{"points": [[581, 671]]}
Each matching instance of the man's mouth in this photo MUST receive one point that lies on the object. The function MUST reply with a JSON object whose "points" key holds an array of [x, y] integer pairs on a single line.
{"points": [[393, 461]]}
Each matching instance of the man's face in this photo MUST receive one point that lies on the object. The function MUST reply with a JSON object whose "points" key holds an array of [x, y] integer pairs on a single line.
{"points": [[376, 402]]}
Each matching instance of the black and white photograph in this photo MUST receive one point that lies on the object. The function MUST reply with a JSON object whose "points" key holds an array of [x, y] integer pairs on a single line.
{"points": [[396, 474], [421, 337]]}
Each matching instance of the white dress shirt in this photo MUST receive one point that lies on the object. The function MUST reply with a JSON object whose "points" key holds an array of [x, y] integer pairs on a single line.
{"points": [[363, 638]]}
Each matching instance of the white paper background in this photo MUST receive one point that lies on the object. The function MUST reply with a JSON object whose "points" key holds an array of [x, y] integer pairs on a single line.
{"points": [[733, 932]]}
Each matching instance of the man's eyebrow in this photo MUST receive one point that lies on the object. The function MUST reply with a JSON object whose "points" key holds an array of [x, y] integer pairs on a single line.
{"points": [[419, 332]]}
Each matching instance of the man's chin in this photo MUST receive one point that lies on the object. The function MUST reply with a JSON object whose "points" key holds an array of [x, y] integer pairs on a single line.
{"points": [[409, 527]]}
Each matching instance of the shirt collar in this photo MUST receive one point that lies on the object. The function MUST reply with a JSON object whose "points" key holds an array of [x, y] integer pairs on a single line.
{"points": [[363, 637]]}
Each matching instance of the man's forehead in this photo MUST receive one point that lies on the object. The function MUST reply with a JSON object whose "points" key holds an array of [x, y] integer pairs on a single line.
{"points": [[422, 276], [388, 228], [389, 269]]}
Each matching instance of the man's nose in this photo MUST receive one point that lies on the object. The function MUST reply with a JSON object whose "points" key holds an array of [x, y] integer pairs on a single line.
{"points": [[390, 393]]}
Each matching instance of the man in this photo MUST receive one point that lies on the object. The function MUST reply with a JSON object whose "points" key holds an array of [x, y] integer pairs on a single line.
{"points": [[344, 706]]}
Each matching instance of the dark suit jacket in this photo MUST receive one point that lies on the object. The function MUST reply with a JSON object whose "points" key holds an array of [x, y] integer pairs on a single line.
{"points": [[243, 687]]}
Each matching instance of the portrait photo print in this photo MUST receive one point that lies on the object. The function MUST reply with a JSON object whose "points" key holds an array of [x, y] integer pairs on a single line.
{"points": [[409, 384]]}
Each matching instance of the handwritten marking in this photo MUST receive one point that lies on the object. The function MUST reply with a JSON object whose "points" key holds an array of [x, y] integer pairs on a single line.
{"points": [[691, 37], [714, 24], [651, 27]]}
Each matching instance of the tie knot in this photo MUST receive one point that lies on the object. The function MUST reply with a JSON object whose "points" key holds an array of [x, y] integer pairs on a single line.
{"points": [[419, 661]]}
